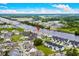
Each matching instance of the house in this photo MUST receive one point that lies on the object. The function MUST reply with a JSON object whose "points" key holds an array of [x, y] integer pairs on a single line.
{"points": [[15, 52], [15, 32], [4, 31], [7, 35], [37, 53]]}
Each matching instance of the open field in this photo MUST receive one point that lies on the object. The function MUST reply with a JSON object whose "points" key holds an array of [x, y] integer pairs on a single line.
{"points": [[67, 30], [16, 38], [22, 19], [45, 50]]}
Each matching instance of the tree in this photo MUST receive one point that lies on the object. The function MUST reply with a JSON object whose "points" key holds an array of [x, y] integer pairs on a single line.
{"points": [[72, 52], [48, 27], [77, 32], [37, 42], [1, 40], [6, 53]]}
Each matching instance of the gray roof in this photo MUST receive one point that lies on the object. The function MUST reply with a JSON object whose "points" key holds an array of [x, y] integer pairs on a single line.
{"points": [[53, 33]]}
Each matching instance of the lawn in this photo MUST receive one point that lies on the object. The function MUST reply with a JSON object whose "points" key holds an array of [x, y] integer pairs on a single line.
{"points": [[19, 29], [67, 30], [47, 51], [48, 39], [16, 38], [10, 29]]}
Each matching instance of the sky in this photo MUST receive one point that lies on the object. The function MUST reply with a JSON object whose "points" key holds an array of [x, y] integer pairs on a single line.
{"points": [[39, 8]]}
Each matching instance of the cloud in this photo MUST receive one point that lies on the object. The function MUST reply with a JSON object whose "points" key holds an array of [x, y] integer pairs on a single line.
{"points": [[4, 3], [75, 11], [3, 6], [43, 11], [12, 12], [7, 11], [59, 9], [67, 9], [39, 11], [48, 11], [62, 6]]}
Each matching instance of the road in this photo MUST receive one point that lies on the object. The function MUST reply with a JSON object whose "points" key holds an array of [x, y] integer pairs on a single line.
{"points": [[50, 33]]}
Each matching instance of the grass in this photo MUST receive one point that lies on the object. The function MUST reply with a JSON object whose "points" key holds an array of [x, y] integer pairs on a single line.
{"points": [[19, 29], [46, 39], [16, 38], [78, 50], [10, 29], [47, 51], [21, 18], [67, 30]]}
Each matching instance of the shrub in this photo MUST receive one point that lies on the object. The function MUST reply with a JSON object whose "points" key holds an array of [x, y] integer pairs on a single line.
{"points": [[37, 42], [72, 52]]}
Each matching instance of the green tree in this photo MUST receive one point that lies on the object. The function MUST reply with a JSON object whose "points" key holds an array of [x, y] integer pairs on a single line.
{"points": [[37, 42], [72, 52], [77, 32], [1, 40], [6, 53]]}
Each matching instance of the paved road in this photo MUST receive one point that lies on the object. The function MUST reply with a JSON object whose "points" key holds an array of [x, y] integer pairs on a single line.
{"points": [[42, 31]]}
